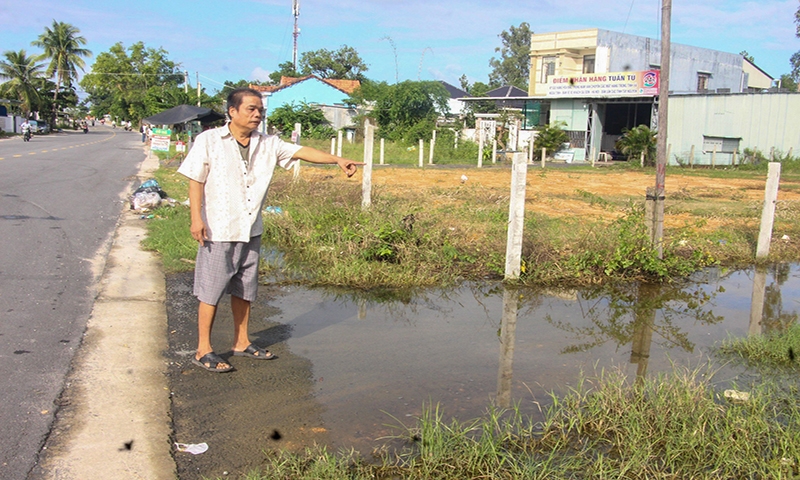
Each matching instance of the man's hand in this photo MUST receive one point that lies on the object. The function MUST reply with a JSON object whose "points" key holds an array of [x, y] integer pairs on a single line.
{"points": [[312, 155], [198, 230], [349, 167]]}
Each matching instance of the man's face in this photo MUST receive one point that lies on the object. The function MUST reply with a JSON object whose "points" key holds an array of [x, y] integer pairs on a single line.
{"points": [[249, 114]]}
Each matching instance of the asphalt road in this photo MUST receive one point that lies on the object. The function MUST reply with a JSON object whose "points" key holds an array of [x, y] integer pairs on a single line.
{"points": [[60, 198]]}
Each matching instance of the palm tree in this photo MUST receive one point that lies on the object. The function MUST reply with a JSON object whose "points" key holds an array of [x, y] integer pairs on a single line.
{"points": [[62, 46], [20, 72], [638, 140]]}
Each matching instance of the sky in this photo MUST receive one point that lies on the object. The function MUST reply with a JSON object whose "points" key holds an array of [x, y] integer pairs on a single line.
{"points": [[399, 40]]}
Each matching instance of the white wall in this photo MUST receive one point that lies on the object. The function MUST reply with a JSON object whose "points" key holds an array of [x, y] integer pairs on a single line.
{"points": [[762, 120]]}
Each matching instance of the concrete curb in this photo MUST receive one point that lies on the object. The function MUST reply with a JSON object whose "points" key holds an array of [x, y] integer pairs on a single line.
{"points": [[115, 421]]}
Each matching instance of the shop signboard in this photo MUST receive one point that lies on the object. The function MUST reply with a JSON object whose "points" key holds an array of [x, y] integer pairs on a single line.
{"points": [[614, 84], [160, 139]]}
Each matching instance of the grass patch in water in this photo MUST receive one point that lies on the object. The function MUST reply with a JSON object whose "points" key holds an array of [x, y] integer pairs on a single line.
{"points": [[670, 426], [776, 350]]}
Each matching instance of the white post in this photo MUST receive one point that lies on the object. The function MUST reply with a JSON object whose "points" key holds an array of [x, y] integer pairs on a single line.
{"points": [[530, 150], [480, 144], [544, 155], [516, 217], [382, 142], [458, 133], [433, 143], [691, 156], [714, 157], [333, 145], [296, 139], [735, 158], [768, 213], [494, 151], [421, 151], [366, 176], [641, 159], [339, 144]]}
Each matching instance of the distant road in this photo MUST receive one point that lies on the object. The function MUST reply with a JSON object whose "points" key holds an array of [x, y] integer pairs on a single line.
{"points": [[60, 197]]}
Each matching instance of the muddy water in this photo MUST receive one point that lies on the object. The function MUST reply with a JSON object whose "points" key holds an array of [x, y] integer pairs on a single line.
{"points": [[353, 367]]}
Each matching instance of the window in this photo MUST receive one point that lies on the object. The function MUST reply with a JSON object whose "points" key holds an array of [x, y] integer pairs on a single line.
{"points": [[548, 68], [720, 144], [702, 82], [588, 64]]}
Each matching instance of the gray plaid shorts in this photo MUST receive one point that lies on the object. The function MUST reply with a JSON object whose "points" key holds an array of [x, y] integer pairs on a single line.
{"points": [[227, 267]]}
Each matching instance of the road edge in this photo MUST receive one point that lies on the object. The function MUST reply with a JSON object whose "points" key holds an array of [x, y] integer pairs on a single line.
{"points": [[115, 421]]}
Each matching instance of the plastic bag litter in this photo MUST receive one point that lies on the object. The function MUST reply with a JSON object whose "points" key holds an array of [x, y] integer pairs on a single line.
{"points": [[736, 396], [144, 201], [193, 448], [147, 196]]}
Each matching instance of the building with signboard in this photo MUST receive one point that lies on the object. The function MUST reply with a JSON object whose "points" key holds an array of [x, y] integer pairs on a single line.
{"points": [[598, 83]]}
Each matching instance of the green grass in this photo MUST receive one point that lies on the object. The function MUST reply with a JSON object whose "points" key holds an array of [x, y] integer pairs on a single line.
{"points": [[779, 349], [445, 152], [672, 426]]}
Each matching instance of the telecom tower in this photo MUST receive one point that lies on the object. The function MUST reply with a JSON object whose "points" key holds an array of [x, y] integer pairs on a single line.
{"points": [[296, 33]]}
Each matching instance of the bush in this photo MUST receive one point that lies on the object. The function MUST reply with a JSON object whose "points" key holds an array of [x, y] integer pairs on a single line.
{"points": [[550, 137], [312, 120], [636, 140]]}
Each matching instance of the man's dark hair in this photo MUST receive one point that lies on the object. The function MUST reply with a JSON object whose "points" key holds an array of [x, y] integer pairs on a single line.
{"points": [[237, 95]]}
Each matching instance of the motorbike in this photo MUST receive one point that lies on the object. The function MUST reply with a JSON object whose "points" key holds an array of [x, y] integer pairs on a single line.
{"points": [[26, 136], [85, 129]]}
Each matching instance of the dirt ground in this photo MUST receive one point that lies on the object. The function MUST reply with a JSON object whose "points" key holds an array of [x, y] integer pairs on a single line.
{"points": [[262, 406], [560, 191]]}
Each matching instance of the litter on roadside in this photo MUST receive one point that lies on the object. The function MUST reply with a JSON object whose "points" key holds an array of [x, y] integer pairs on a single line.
{"points": [[149, 196], [193, 448]]}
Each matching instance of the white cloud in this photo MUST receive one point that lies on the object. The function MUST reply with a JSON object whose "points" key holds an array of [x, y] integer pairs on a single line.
{"points": [[259, 74]]}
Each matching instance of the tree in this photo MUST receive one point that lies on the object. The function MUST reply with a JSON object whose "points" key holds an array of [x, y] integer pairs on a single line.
{"points": [[404, 111], [122, 79], [20, 72], [551, 138], [747, 56], [788, 83], [340, 64], [794, 61], [285, 69], [312, 120], [514, 64], [63, 47], [636, 140]]}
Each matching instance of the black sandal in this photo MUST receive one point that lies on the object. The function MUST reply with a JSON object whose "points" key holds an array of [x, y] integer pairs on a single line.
{"points": [[210, 361], [258, 353]]}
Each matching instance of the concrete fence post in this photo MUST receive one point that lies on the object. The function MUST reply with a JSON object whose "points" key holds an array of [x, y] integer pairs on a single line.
{"points": [[480, 147], [691, 157], [366, 176], [333, 145], [494, 151], [421, 151], [382, 150], [516, 217], [544, 156], [339, 144], [768, 212], [714, 157], [433, 144]]}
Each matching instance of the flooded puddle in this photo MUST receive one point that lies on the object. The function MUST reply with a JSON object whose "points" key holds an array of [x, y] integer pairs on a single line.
{"points": [[377, 361]]}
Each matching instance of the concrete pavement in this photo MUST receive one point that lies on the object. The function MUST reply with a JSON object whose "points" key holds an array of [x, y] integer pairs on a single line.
{"points": [[114, 419]]}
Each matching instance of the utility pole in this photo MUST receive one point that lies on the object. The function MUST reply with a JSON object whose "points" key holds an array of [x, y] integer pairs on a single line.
{"points": [[296, 33], [186, 81], [197, 76], [661, 136]]}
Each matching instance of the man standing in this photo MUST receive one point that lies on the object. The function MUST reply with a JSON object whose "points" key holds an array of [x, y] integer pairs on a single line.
{"points": [[229, 170]]}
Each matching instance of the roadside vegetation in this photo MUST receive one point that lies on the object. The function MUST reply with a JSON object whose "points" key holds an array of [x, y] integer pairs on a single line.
{"points": [[421, 235], [672, 426]]}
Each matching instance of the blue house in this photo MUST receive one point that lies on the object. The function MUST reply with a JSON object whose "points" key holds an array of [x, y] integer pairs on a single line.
{"points": [[325, 93]]}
